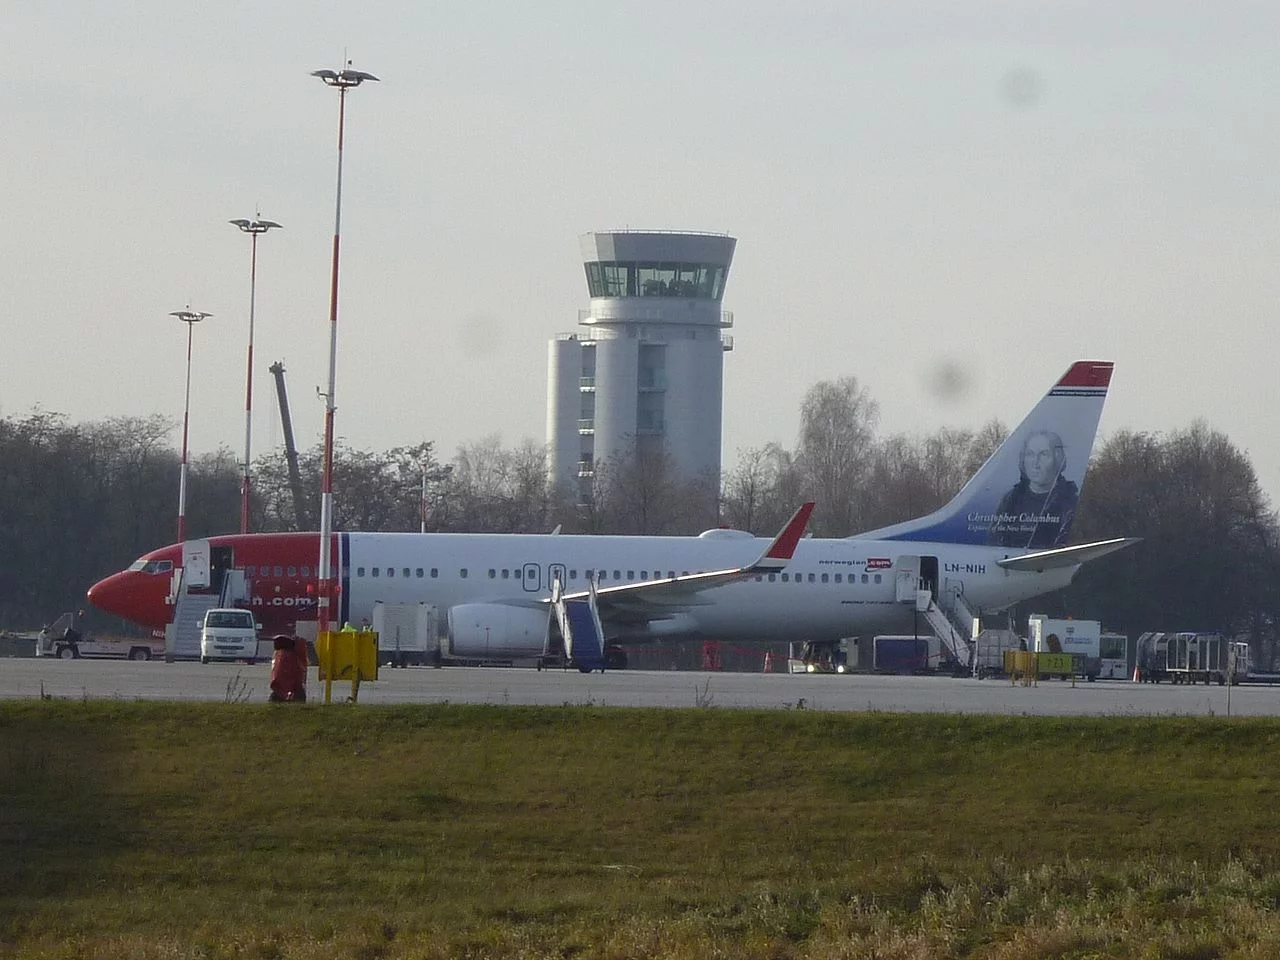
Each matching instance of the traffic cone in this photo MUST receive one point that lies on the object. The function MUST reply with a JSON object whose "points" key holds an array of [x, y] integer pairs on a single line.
{"points": [[1137, 674], [768, 661]]}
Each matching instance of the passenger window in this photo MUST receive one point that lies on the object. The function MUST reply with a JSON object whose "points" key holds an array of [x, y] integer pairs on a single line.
{"points": [[492, 573], [631, 574], [519, 574], [617, 574], [812, 579], [418, 573], [306, 571], [405, 573], [824, 577], [602, 575], [359, 571], [435, 572], [293, 571], [773, 577], [463, 573], [877, 578], [671, 574], [864, 578], [375, 572], [278, 571], [506, 574], [786, 578], [573, 574], [391, 571], [839, 578], [644, 574]]}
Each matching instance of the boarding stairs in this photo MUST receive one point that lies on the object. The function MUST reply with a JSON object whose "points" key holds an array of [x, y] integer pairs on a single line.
{"points": [[580, 628], [182, 635], [953, 623], [188, 617]]}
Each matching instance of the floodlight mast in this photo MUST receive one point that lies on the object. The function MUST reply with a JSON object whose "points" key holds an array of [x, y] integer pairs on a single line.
{"points": [[190, 318], [344, 80], [254, 228]]}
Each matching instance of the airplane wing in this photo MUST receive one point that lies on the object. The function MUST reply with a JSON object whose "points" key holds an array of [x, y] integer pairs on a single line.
{"points": [[1043, 560], [634, 602]]}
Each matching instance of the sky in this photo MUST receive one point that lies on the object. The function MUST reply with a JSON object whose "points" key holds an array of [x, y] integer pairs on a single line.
{"points": [[949, 201]]}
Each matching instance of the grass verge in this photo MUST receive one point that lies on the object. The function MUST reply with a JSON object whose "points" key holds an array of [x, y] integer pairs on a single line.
{"points": [[232, 830]]}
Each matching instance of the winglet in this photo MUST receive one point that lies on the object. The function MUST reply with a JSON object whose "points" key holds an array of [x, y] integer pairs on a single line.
{"points": [[778, 553]]}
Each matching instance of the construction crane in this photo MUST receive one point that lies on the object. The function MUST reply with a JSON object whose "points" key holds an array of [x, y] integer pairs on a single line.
{"points": [[290, 449]]}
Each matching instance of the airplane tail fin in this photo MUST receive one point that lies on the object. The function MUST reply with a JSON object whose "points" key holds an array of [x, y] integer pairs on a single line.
{"points": [[1024, 496]]}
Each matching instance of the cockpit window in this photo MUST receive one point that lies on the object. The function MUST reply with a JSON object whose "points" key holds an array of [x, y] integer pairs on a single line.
{"points": [[151, 566]]}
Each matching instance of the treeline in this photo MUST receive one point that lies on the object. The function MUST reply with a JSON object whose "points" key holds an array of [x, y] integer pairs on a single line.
{"points": [[79, 501]]}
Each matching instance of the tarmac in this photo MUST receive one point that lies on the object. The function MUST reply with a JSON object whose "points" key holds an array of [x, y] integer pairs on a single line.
{"points": [[34, 678]]}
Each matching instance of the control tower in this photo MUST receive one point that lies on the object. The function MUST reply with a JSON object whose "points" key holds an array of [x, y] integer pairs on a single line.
{"points": [[645, 369]]}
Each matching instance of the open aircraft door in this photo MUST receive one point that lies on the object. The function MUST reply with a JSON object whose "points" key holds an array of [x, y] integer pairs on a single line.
{"points": [[906, 574], [195, 564], [929, 575]]}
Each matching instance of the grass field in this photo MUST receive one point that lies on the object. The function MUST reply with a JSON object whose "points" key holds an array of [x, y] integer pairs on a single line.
{"points": [[224, 830]]}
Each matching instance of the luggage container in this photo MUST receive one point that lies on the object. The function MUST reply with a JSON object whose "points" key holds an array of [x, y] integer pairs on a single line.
{"points": [[904, 654]]}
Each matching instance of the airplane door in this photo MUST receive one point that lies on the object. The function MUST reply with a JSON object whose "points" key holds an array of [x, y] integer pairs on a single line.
{"points": [[195, 564], [220, 561], [929, 575], [906, 579], [532, 578]]}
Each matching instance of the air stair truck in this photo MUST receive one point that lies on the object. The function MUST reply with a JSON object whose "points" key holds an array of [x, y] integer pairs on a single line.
{"points": [[1079, 638]]}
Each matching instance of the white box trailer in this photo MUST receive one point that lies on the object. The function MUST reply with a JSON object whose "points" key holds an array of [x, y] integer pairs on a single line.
{"points": [[406, 633], [1081, 638]]}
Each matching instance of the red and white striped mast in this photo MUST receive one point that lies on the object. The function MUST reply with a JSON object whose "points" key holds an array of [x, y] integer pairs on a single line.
{"points": [[344, 80], [254, 228]]}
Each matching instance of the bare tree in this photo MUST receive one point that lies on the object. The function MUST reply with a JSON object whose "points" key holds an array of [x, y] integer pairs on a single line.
{"points": [[837, 429]]}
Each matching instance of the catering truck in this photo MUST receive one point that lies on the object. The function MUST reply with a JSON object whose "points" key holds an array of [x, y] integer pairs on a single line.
{"points": [[1080, 638]]}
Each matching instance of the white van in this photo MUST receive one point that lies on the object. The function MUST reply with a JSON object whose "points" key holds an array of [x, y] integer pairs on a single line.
{"points": [[229, 633]]}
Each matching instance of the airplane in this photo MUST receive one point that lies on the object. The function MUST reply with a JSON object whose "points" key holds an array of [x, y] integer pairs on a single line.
{"points": [[1000, 540]]}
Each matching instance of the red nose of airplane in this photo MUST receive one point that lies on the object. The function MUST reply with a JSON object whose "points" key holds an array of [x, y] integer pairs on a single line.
{"points": [[132, 596]]}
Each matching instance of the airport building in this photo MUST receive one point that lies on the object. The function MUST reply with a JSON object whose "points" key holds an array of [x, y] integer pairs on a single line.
{"points": [[644, 371]]}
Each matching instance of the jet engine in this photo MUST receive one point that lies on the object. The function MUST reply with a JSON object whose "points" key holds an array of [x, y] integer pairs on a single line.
{"points": [[497, 631]]}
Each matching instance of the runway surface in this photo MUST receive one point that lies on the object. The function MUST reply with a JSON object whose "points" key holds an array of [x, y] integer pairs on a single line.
{"points": [[124, 680]]}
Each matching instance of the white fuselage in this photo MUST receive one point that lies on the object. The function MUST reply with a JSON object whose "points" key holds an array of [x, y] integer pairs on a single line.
{"points": [[829, 589]]}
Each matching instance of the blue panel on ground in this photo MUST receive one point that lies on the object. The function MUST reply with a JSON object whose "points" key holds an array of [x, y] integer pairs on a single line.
{"points": [[587, 645]]}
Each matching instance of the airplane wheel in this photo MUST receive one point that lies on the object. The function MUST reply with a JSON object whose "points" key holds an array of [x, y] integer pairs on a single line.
{"points": [[66, 653], [139, 654], [584, 669], [204, 659]]}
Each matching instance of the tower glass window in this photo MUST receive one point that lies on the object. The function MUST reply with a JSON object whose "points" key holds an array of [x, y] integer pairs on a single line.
{"points": [[699, 281]]}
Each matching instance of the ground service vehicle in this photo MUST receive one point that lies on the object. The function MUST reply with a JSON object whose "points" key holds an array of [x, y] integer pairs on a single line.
{"points": [[228, 633], [1113, 657], [1080, 638], [61, 639], [406, 633], [1191, 657]]}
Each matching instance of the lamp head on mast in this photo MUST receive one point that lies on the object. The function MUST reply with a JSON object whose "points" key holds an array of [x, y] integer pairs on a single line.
{"points": [[255, 225], [190, 316], [343, 78]]}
